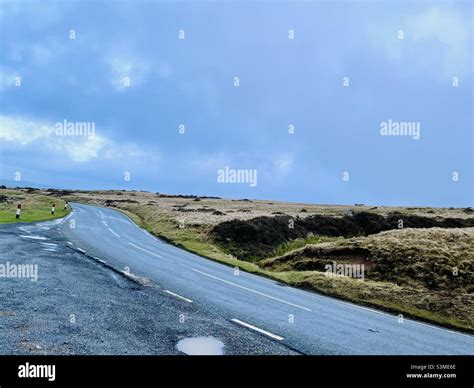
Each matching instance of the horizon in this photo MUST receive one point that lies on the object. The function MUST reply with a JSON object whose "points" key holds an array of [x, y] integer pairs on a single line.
{"points": [[209, 196], [315, 102]]}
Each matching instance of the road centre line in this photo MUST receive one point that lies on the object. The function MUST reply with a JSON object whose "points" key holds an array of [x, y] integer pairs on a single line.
{"points": [[113, 232], [145, 250], [254, 291]]}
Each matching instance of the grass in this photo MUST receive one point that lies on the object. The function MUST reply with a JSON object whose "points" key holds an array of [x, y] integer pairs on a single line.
{"points": [[410, 271], [300, 243], [34, 207]]}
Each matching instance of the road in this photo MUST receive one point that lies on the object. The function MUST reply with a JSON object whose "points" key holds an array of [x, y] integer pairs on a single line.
{"points": [[300, 320], [76, 305]]}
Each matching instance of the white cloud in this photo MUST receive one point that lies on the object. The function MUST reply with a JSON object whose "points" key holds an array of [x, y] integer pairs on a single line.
{"points": [[82, 149], [122, 68], [436, 41], [451, 30], [22, 132], [7, 78], [284, 164]]}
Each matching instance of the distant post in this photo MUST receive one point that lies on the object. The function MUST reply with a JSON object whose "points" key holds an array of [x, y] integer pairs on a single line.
{"points": [[18, 211], [65, 206], [53, 209]]}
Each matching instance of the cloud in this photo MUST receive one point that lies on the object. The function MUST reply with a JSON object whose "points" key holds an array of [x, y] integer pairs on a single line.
{"points": [[436, 41], [451, 32], [123, 70], [284, 164], [7, 78], [22, 132], [83, 149]]}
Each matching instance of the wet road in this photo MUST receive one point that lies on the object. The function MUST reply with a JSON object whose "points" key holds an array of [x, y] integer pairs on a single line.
{"points": [[73, 304], [307, 322]]}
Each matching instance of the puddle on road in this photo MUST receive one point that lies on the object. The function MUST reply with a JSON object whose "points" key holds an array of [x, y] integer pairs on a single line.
{"points": [[205, 346]]}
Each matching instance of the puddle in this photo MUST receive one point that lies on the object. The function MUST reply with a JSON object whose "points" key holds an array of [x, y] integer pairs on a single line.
{"points": [[206, 346], [34, 237]]}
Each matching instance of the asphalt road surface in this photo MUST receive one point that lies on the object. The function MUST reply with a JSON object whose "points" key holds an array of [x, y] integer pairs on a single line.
{"points": [[245, 313]]}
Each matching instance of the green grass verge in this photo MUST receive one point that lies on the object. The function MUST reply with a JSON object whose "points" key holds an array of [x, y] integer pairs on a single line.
{"points": [[33, 207]]}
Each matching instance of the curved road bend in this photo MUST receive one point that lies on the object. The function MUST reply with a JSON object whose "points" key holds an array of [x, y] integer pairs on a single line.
{"points": [[305, 321]]}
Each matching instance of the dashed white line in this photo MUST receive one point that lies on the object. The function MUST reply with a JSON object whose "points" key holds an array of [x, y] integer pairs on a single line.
{"points": [[113, 232], [81, 250], [145, 250], [105, 223], [178, 296], [70, 243], [254, 291], [99, 259], [252, 327], [34, 237]]}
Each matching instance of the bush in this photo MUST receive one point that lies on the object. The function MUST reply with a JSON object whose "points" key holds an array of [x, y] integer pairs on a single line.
{"points": [[259, 237]]}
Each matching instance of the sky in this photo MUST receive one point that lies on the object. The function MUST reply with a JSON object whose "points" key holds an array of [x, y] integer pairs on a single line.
{"points": [[294, 93]]}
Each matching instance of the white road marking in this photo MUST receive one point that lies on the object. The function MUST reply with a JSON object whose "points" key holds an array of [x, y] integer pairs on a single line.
{"points": [[105, 223], [70, 243], [49, 244], [98, 259], [114, 232], [145, 250], [34, 237], [254, 291], [310, 294], [178, 296], [81, 250], [392, 316], [252, 327]]}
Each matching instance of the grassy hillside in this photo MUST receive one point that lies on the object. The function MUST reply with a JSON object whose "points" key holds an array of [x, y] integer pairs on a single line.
{"points": [[409, 266], [428, 273]]}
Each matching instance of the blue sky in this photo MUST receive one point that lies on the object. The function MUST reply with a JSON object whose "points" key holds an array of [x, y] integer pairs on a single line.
{"points": [[283, 82]]}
